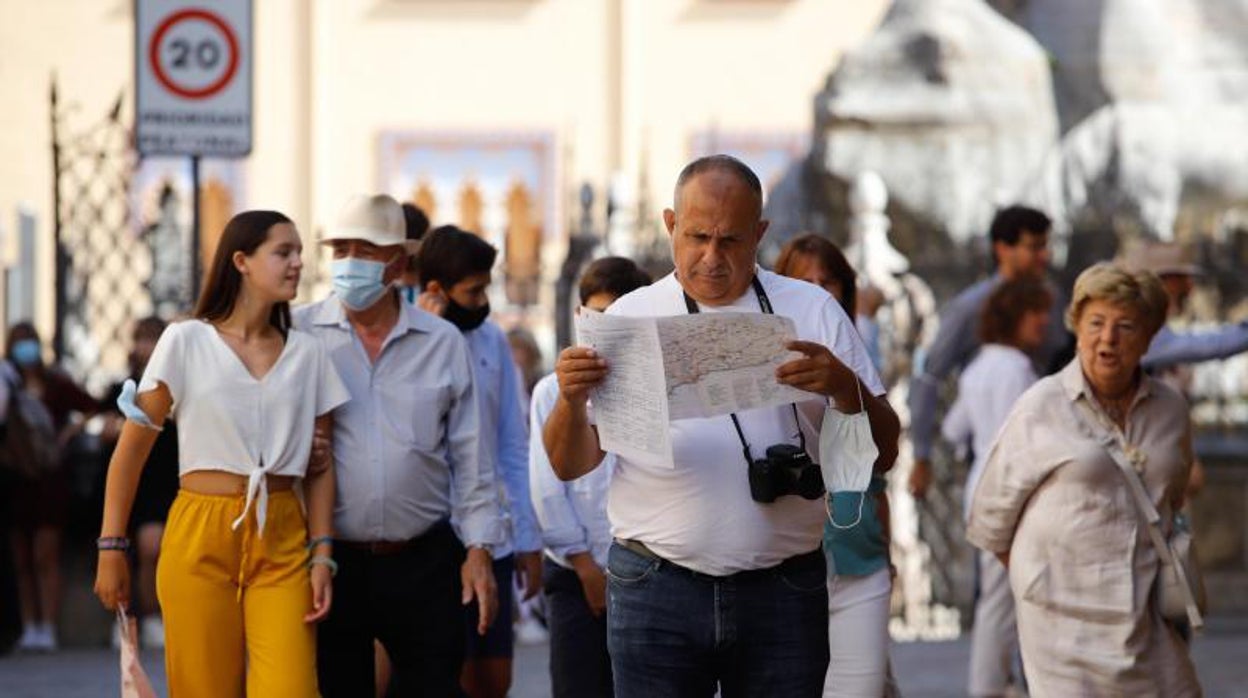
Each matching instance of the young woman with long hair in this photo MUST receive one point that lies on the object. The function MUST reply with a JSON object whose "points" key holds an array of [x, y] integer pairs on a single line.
{"points": [[243, 573]]}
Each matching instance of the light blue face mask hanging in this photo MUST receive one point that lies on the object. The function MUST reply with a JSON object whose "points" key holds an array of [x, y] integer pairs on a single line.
{"points": [[847, 455], [358, 282]]}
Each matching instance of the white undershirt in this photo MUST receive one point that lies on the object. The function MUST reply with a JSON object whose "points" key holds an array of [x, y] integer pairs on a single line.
{"points": [[699, 514]]}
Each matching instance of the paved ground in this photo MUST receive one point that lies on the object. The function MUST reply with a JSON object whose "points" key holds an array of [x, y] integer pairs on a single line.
{"points": [[924, 669]]}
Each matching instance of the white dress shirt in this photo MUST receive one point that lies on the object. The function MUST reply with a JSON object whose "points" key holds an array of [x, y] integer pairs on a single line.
{"points": [[572, 515], [406, 445]]}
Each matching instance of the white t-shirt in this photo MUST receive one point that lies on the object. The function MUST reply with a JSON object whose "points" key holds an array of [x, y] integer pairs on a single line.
{"points": [[230, 421], [699, 514]]}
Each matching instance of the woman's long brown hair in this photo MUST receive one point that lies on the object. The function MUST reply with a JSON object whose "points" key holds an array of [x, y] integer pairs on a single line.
{"points": [[244, 233]]}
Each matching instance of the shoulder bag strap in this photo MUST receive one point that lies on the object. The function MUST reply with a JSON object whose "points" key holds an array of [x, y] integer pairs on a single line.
{"points": [[1144, 504]]}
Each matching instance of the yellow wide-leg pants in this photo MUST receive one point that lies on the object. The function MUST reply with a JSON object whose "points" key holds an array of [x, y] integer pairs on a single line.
{"points": [[233, 601]]}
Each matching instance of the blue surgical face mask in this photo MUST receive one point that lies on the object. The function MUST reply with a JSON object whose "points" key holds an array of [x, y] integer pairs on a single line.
{"points": [[27, 352], [358, 282]]}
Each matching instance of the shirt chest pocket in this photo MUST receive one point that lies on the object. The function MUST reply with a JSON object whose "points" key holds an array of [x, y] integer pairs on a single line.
{"points": [[421, 421]]}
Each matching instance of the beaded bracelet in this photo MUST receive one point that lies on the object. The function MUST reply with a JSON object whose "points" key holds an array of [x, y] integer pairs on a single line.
{"points": [[112, 543], [327, 561], [328, 540]]}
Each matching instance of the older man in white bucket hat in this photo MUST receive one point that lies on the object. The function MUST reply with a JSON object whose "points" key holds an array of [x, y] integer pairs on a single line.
{"points": [[406, 459]]}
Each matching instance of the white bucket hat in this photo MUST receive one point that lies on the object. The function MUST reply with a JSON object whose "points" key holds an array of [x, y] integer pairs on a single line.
{"points": [[377, 219], [1163, 258]]}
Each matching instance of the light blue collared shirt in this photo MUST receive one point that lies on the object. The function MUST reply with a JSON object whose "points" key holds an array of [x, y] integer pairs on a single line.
{"points": [[573, 515], [406, 445], [504, 434], [1174, 347]]}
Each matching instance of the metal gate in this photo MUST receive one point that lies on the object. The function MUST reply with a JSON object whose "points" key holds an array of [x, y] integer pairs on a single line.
{"points": [[102, 265]]}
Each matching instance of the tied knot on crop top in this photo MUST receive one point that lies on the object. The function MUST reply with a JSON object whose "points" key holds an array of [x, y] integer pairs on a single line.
{"points": [[232, 421]]}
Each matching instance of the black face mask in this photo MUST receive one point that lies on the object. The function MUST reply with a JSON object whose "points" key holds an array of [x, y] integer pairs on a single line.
{"points": [[465, 319]]}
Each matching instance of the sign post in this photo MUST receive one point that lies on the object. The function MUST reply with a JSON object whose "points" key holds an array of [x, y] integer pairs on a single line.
{"points": [[193, 86]]}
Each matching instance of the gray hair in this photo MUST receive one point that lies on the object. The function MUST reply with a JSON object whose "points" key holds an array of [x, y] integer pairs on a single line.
{"points": [[1113, 283]]}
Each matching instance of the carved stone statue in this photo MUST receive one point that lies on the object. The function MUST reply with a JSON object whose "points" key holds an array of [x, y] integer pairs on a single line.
{"points": [[907, 320], [1151, 96], [950, 103]]}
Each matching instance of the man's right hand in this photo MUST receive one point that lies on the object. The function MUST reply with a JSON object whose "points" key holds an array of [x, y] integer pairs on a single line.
{"points": [[579, 370], [593, 582], [477, 580], [920, 478]]}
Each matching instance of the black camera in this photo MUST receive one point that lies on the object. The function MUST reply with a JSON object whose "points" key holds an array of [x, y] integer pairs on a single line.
{"points": [[787, 469]]}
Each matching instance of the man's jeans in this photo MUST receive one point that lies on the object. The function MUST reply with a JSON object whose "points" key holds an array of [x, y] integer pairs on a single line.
{"points": [[675, 632]]}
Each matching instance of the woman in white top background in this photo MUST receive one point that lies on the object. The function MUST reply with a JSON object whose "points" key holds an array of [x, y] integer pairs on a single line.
{"points": [[243, 573], [1013, 324]]}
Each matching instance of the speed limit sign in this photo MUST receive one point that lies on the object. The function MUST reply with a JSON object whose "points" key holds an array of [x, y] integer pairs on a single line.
{"points": [[193, 64]]}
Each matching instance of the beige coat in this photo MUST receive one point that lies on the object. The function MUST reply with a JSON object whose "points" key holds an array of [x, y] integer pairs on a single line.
{"points": [[1082, 567]]}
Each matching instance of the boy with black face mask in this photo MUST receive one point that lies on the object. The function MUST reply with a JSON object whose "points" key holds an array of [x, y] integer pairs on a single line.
{"points": [[454, 268]]}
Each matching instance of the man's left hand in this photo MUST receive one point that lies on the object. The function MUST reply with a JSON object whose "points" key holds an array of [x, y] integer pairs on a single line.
{"points": [[529, 571], [477, 577], [822, 373]]}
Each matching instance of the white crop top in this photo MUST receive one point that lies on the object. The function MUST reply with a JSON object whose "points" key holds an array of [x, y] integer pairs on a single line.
{"points": [[230, 421]]}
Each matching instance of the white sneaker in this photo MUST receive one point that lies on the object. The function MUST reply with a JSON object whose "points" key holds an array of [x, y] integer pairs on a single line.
{"points": [[42, 638], [530, 631], [29, 641], [152, 630]]}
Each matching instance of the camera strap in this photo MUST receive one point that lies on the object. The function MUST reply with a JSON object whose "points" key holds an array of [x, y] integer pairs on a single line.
{"points": [[765, 305]]}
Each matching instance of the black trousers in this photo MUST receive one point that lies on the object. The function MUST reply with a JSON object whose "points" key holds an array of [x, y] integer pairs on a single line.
{"points": [[579, 664], [410, 601]]}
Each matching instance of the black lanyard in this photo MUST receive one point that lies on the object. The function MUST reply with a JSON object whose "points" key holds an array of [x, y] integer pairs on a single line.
{"points": [[765, 305]]}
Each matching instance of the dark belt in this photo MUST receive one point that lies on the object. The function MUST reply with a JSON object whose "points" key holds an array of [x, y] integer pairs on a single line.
{"points": [[643, 550], [391, 547], [638, 547]]}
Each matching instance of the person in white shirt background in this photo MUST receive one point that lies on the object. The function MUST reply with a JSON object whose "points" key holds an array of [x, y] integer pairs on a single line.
{"points": [[237, 586], [1013, 323], [573, 519], [454, 267]]}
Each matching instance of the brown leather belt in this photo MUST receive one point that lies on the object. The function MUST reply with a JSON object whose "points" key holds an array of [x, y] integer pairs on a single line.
{"points": [[393, 547]]}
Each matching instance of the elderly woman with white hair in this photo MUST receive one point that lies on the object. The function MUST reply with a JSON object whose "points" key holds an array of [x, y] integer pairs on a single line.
{"points": [[1057, 509]]}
